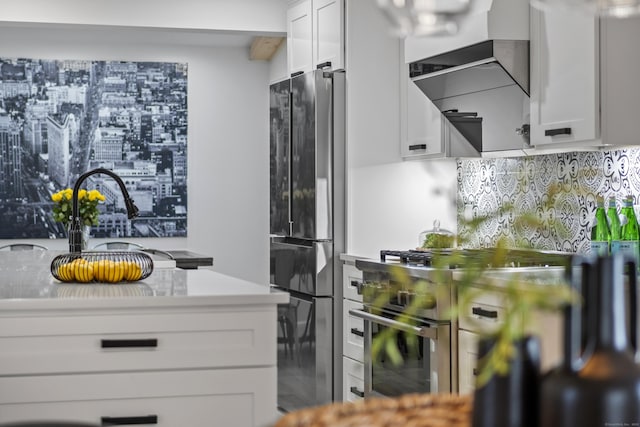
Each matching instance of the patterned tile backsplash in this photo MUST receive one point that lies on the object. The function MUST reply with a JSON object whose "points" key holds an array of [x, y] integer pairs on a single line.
{"points": [[488, 186]]}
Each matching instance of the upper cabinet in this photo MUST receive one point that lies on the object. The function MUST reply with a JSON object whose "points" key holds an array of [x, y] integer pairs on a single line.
{"points": [[299, 32], [315, 35], [328, 33], [620, 68], [421, 131], [584, 90], [564, 78]]}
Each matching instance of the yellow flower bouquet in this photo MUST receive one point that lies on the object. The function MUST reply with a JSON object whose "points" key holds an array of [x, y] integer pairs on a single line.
{"points": [[87, 206]]}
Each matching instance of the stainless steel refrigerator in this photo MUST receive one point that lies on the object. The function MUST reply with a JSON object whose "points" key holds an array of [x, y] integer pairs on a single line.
{"points": [[307, 233]]}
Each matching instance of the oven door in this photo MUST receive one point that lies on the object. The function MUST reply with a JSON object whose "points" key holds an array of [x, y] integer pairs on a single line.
{"points": [[427, 370]]}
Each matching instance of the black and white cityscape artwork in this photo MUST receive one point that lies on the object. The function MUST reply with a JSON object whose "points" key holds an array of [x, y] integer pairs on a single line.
{"points": [[61, 118]]}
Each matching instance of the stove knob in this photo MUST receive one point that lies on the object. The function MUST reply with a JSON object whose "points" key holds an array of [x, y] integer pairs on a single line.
{"points": [[410, 297], [403, 298]]}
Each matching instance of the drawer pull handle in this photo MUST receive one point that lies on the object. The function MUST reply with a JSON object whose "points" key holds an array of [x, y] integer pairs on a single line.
{"points": [[324, 65], [475, 372], [357, 392], [358, 285], [559, 131], [417, 147], [125, 421], [151, 342], [491, 314], [357, 332]]}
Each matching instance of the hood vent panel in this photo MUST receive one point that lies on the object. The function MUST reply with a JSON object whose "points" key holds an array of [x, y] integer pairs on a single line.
{"points": [[482, 90]]}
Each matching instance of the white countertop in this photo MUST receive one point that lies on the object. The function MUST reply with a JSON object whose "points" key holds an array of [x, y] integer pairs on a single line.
{"points": [[26, 283]]}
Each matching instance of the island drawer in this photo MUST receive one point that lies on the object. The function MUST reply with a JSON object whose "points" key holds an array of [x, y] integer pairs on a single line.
{"points": [[136, 342], [184, 398]]}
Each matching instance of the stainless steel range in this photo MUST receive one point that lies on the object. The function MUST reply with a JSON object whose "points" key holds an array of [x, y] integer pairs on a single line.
{"points": [[398, 278]]}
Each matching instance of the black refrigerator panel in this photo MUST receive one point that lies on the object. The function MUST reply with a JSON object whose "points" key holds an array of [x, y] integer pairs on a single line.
{"points": [[311, 155], [305, 365], [303, 266], [280, 151]]}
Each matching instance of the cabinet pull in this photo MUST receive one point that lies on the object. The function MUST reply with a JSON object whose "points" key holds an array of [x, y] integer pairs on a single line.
{"points": [[324, 65], [559, 131], [297, 73], [417, 147], [478, 311], [125, 421], [357, 332], [475, 372], [150, 342], [358, 285], [357, 392]]}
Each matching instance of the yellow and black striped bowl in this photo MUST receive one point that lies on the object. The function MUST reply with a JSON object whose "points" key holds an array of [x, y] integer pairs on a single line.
{"points": [[102, 267]]}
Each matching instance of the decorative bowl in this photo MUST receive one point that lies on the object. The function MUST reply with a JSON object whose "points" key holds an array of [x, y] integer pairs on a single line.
{"points": [[102, 267]]}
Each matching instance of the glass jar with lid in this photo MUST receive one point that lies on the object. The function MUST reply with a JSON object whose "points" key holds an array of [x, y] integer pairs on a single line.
{"points": [[436, 238]]}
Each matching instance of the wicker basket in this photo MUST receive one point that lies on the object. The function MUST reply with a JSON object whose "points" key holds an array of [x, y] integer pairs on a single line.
{"points": [[410, 410], [102, 267]]}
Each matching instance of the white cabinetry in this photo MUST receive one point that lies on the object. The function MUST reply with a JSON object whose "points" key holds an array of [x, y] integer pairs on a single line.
{"points": [[467, 360], [315, 35], [421, 127], [484, 314], [353, 333], [564, 78], [328, 33], [583, 80], [299, 37], [164, 366]]}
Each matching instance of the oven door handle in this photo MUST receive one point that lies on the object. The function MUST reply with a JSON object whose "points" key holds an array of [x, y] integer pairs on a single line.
{"points": [[431, 333]]}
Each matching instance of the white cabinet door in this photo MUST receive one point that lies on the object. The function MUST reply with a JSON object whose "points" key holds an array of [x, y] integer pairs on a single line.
{"points": [[620, 68], [421, 132], [328, 33], [352, 380], [299, 37], [353, 331], [564, 78], [467, 361]]}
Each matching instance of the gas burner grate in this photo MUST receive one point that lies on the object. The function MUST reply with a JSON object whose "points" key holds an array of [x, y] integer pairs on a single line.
{"points": [[408, 257], [468, 257]]}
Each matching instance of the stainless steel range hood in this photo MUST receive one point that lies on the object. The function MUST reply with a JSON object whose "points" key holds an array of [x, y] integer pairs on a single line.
{"points": [[483, 91]]}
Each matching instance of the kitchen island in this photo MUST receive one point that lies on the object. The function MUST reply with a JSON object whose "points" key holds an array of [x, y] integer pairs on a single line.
{"points": [[181, 347]]}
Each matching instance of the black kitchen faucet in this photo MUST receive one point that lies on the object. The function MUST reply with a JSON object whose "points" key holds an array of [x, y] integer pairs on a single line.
{"points": [[75, 232]]}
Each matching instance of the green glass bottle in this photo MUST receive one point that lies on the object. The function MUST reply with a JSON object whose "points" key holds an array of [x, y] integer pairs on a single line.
{"points": [[630, 234], [614, 225], [600, 234]]}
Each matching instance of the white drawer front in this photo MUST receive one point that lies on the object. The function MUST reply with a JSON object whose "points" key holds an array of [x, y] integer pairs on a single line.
{"points": [[353, 332], [484, 314], [199, 340], [352, 379], [351, 280], [185, 398]]}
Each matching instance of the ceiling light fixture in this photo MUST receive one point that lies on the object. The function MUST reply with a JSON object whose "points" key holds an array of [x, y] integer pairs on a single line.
{"points": [[424, 17]]}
